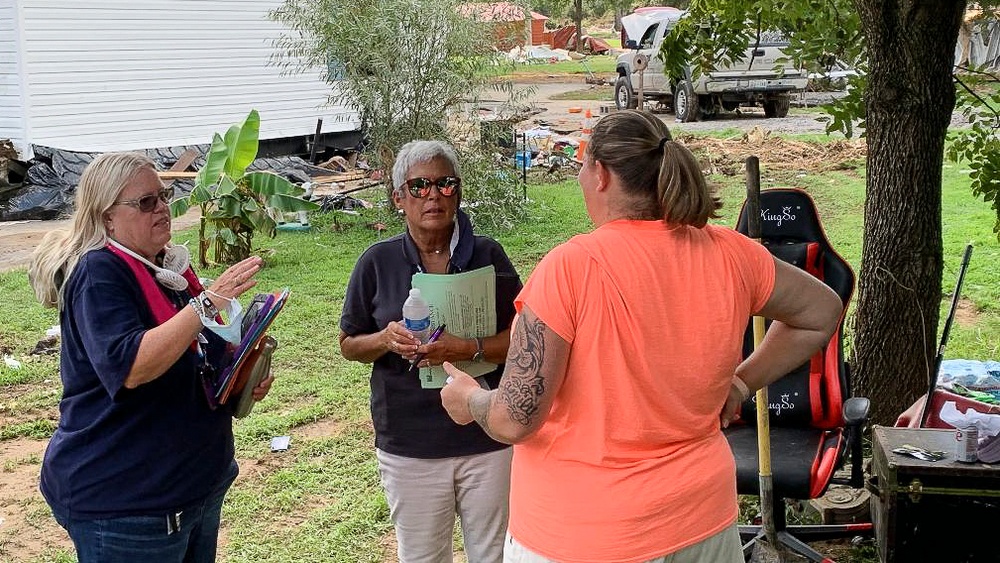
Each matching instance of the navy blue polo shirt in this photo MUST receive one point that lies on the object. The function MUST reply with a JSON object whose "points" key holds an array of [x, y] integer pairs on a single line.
{"points": [[411, 421], [118, 452]]}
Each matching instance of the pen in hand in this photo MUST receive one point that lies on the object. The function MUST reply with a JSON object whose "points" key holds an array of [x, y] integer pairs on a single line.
{"points": [[433, 338]]}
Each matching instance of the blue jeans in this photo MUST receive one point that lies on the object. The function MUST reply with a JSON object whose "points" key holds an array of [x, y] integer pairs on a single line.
{"points": [[188, 537]]}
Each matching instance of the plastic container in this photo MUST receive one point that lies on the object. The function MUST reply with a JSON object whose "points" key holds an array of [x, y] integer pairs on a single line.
{"points": [[417, 315], [586, 128], [588, 122], [522, 159]]}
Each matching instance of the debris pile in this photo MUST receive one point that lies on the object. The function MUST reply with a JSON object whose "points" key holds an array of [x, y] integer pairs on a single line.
{"points": [[47, 188], [727, 156]]}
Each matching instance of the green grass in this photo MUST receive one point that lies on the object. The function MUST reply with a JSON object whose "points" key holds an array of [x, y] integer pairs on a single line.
{"points": [[597, 93], [598, 64], [321, 500]]}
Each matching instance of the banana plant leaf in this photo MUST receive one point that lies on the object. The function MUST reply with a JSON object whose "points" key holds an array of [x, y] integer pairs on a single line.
{"points": [[242, 142], [237, 203], [179, 207], [286, 202], [266, 184], [215, 163]]}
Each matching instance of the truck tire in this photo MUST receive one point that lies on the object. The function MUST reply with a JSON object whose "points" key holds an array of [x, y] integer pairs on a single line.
{"points": [[777, 107], [685, 103], [624, 96]]}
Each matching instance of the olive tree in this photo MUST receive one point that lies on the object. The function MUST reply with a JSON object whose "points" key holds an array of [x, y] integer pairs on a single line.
{"points": [[412, 69], [904, 99]]}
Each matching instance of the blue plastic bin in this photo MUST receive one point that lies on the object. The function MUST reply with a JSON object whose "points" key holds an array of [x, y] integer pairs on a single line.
{"points": [[522, 159]]}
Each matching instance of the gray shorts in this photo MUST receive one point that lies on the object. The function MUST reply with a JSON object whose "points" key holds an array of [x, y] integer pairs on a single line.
{"points": [[723, 547]]}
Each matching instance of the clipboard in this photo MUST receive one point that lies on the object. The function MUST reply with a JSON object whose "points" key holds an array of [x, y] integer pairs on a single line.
{"points": [[259, 365], [236, 376]]}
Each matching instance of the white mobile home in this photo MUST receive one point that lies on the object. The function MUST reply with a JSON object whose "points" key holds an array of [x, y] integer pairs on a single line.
{"points": [[110, 75]]}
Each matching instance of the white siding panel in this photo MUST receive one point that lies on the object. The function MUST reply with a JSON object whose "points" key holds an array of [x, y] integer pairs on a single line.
{"points": [[12, 123], [126, 74]]}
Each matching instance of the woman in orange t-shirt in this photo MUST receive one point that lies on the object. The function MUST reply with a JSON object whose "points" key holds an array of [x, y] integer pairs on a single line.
{"points": [[627, 354]]}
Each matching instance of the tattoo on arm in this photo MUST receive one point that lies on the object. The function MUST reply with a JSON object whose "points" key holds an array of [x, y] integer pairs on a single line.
{"points": [[479, 406], [523, 385]]}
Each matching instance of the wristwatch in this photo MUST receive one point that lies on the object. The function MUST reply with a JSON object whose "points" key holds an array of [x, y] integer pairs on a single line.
{"points": [[480, 352]]}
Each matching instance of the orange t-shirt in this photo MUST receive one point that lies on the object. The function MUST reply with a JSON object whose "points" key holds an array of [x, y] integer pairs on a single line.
{"points": [[630, 463]]}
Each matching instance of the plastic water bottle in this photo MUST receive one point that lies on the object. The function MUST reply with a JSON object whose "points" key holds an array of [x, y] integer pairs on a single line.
{"points": [[417, 315], [587, 127]]}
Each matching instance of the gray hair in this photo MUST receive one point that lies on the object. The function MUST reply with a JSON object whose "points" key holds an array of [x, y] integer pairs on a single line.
{"points": [[416, 152]]}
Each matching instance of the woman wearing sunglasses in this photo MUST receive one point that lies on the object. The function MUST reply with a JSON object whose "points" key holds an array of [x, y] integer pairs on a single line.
{"points": [[139, 464], [431, 467]]}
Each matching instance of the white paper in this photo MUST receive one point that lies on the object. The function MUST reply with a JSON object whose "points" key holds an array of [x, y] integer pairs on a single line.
{"points": [[987, 424], [280, 443]]}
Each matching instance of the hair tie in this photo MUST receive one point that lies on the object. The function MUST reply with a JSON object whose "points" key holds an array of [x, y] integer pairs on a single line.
{"points": [[663, 142]]}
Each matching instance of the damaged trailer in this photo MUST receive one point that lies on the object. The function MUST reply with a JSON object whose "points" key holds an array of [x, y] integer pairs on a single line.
{"points": [[138, 74]]}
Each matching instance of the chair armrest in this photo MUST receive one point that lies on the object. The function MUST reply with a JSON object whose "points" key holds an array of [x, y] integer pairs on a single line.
{"points": [[856, 410], [855, 416]]}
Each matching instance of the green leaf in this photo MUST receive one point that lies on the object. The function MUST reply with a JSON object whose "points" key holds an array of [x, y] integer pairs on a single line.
{"points": [[262, 222], [215, 162], [283, 202], [230, 206], [200, 194], [226, 187], [250, 205], [266, 184], [227, 235], [179, 206], [242, 142]]}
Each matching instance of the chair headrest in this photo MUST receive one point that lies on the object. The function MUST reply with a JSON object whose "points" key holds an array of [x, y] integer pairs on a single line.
{"points": [[786, 214]]}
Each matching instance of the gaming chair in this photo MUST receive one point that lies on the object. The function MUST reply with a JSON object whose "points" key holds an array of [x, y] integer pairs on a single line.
{"points": [[814, 423]]}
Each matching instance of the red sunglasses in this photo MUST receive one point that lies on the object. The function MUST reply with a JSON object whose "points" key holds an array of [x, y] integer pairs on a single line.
{"points": [[421, 187]]}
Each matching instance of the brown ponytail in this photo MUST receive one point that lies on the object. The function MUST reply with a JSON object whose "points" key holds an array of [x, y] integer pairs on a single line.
{"points": [[661, 177]]}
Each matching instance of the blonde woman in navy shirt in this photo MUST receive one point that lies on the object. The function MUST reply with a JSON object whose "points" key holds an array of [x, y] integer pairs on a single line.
{"points": [[139, 464]]}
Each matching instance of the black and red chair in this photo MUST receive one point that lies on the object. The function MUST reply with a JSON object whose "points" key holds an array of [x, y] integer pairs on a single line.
{"points": [[815, 426]]}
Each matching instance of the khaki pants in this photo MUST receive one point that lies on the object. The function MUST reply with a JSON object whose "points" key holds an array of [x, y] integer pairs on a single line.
{"points": [[425, 494], [723, 547]]}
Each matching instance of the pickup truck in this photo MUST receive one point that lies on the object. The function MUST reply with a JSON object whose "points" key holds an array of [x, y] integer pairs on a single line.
{"points": [[751, 81]]}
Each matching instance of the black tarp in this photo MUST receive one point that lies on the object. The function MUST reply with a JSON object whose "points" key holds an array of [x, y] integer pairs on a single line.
{"points": [[52, 176]]}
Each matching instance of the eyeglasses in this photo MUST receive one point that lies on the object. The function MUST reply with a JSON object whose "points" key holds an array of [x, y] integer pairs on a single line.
{"points": [[421, 187], [147, 203]]}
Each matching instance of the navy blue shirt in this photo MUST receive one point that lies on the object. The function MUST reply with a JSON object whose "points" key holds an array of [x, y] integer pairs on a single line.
{"points": [[151, 450], [411, 421]]}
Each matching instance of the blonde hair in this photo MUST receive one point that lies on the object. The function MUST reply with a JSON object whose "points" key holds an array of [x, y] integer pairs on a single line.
{"points": [[661, 176], [56, 257]]}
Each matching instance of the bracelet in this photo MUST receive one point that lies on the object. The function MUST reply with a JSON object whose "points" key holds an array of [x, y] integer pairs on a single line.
{"points": [[741, 386], [198, 309], [209, 310], [214, 294]]}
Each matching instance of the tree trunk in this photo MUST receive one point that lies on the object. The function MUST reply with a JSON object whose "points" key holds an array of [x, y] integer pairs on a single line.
{"points": [[579, 26], [909, 100]]}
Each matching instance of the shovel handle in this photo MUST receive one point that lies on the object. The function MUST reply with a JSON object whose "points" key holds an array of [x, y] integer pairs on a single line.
{"points": [[754, 232]]}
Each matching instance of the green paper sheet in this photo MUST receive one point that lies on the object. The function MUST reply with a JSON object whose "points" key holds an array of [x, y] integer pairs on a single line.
{"points": [[466, 302]]}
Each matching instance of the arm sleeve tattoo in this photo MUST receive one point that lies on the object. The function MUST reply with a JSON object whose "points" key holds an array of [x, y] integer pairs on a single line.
{"points": [[479, 407], [522, 387]]}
